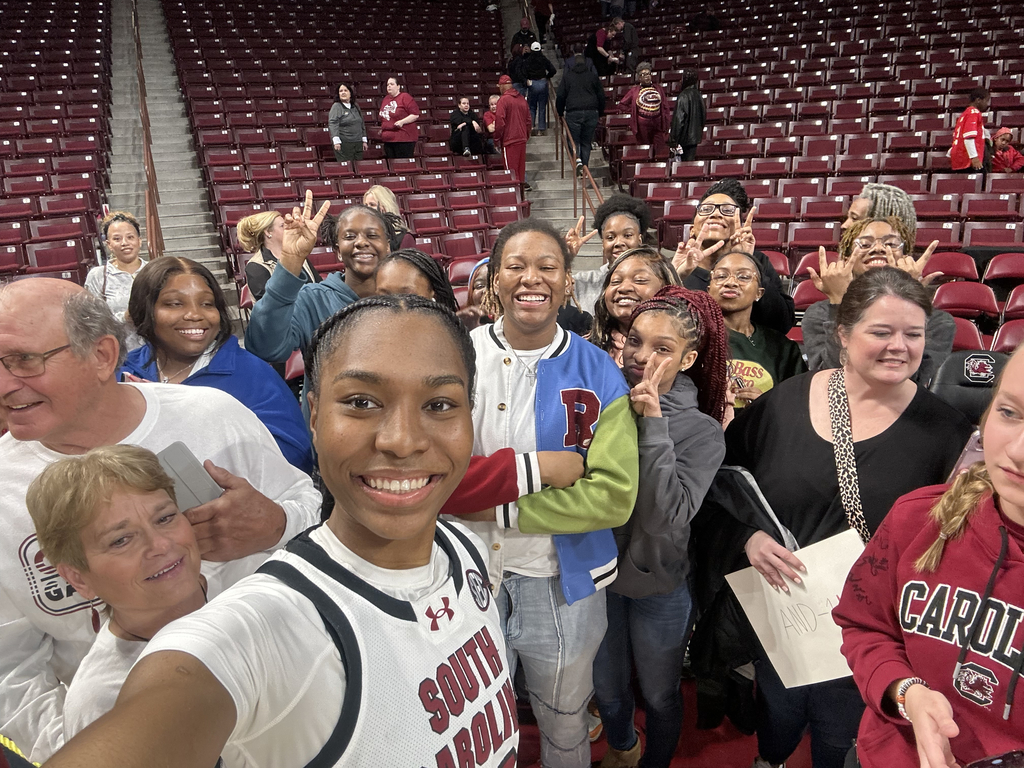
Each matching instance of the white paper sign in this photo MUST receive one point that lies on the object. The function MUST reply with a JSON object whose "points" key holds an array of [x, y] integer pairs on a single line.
{"points": [[796, 629]]}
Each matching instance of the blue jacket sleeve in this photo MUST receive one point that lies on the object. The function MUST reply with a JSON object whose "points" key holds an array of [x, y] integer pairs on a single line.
{"points": [[280, 321]]}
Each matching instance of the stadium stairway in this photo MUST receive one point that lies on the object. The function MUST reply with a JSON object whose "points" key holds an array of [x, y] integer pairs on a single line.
{"points": [[185, 216]]}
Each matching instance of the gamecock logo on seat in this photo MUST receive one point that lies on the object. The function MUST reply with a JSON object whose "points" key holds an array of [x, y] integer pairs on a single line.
{"points": [[980, 368]]}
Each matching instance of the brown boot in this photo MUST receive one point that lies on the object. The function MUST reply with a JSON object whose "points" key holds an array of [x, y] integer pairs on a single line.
{"points": [[613, 758]]}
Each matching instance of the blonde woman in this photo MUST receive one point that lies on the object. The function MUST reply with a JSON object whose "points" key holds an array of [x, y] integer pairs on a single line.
{"points": [[384, 200], [260, 234], [931, 612]]}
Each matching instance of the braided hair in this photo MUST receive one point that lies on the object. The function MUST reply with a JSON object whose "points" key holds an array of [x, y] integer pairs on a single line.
{"points": [[328, 233], [699, 321], [887, 200], [430, 269], [330, 333]]}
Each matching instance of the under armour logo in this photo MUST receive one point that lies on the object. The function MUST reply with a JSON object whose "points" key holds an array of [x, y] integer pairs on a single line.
{"points": [[445, 612]]}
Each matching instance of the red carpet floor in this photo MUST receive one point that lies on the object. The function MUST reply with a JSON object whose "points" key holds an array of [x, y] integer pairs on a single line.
{"points": [[724, 747]]}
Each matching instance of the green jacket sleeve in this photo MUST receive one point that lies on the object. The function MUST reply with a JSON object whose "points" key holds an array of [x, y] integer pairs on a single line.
{"points": [[605, 496]]}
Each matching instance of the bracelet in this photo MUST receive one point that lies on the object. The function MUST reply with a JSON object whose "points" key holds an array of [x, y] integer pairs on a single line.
{"points": [[901, 694]]}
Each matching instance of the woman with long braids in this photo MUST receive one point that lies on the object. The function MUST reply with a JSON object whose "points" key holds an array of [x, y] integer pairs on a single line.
{"points": [[411, 271], [675, 359], [635, 276], [933, 637], [871, 421]]}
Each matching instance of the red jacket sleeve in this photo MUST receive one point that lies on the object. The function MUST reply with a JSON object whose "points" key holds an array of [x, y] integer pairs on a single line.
{"points": [[868, 611], [489, 482]]}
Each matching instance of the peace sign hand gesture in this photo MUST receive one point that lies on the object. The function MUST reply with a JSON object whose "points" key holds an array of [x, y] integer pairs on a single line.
{"points": [[832, 279], [644, 396], [743, 236], [915, 268], [300, 233], [574, 239], [689, 255]]}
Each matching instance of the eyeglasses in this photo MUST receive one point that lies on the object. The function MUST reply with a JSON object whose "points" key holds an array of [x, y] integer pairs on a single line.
{"points": [[25, 365], [743, 278], [726, 209], [867, 243]]}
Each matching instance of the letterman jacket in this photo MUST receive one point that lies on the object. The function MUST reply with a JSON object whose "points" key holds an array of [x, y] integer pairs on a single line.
{"points": [[581, 403]]}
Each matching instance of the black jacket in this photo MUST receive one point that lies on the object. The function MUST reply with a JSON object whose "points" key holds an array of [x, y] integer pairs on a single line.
{"points": [[688, 121], [775, 309], [516, 69], [523, 37], [538, 66], [580, 89]]}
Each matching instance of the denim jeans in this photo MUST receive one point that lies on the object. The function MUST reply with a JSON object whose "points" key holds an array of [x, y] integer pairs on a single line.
{"points": [[650, 633], [538, 101], [582, 126], [556, 644], [832, 710]]}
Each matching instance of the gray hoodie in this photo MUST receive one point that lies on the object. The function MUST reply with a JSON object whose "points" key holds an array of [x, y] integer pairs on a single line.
{"points": [[679, 456]]}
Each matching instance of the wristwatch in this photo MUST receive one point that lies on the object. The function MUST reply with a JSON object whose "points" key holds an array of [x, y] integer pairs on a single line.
{"points": [[901, 694]]}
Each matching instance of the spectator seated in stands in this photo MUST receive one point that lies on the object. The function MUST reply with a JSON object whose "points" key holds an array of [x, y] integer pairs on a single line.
{"points": [[112, 281], [760, 357], [476, 313], [411, 271], [291, 310], [61, 350], [347, 127], [260, 234], [687, 127], [599, 50], [490, 144], [870, 244], [384, 200], [879, 201], [1005, 157], [648, 109], [178, 309], [967, 154], [580, 99], [539, 71], [634, 277], [717, 225], [109, 522], [466, 138], [623, 222]]}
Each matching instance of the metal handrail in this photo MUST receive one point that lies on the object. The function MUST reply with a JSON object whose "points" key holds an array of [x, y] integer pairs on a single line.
{"points": [[584, 200], [154, 234]]}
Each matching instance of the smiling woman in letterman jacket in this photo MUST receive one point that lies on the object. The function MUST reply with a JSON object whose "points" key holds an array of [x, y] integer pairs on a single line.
{"points": [[938, 674]]}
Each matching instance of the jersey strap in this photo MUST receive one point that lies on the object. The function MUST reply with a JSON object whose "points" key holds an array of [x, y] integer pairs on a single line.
{"points": [[466, 544], [340, 630]]}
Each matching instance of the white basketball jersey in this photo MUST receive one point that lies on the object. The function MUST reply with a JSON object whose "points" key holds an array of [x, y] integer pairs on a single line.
{"points": [[427, 683]]}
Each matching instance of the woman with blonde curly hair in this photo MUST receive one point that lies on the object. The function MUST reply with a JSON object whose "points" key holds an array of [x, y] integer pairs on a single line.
{"points": [[931, 612], [260, 234], [869, 244]]}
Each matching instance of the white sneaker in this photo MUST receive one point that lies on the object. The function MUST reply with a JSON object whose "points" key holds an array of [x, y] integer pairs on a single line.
{"points": [[760, 762]]}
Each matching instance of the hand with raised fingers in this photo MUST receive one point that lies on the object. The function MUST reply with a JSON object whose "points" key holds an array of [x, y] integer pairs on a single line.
{"points": [[574, 237], [743, 236], [915, 267], [645, 396], [300, 233], [832, 279], [689, 255], [773, 561]]}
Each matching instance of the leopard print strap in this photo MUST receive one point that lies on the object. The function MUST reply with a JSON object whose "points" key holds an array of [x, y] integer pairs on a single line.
{"points": [[846, 460]]}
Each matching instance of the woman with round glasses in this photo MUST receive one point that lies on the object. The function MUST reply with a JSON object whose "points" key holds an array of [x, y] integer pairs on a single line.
{"points": [[869, 244], [761, 357], [723, 223]]}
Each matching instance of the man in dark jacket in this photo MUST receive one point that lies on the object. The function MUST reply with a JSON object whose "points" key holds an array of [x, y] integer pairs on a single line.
{"points": [[512, 128], [524, 37], [467, 131], [688, 121], [580, 100], [539, 70]]}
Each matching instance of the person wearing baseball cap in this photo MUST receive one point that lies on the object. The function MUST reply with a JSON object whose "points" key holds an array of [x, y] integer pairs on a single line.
{"points": [[539, 70], [512, 128]]}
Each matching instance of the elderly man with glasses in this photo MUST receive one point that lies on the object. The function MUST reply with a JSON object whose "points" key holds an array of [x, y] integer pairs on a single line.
{"points": [[60, 349]]}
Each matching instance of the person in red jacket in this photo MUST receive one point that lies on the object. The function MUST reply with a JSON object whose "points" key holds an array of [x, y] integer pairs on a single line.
{"points": [[931, 612], [1005, 157], [398, 115], [968, 151], [512, 124]]}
